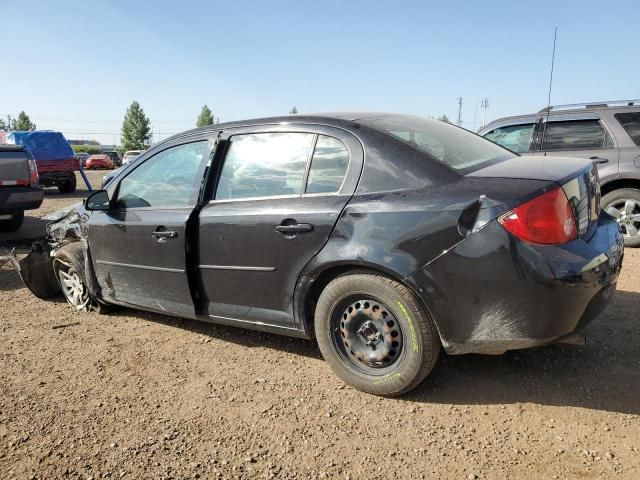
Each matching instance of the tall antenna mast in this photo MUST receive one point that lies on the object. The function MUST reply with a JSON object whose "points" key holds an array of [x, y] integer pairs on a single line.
{"points": [[553, 60], [484, 105]]}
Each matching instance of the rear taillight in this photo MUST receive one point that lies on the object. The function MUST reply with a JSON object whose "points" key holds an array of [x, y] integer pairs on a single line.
{"points": [[545, 220], [34, 180]]}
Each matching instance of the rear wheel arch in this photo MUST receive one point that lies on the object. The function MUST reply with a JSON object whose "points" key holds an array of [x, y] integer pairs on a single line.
{"points": [[325, 276], [618, 184]]}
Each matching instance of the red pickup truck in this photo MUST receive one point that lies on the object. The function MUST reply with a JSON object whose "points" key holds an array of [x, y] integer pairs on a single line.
{"points": [[53, 155]]}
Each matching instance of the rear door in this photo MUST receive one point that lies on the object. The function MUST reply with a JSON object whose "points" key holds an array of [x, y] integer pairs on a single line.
{"points": [[582, 136], [280, 191], [139, 246]]}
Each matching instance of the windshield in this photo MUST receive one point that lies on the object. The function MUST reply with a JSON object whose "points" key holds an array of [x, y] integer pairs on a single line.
{"points": [[455, 147]]}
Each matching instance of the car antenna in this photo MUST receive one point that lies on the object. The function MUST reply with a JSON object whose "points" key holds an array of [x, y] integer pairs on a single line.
{"points": [[553, 59]]}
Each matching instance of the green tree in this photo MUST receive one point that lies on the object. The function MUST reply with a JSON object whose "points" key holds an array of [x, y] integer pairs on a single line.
{"points": [[205, 118], [3, 125], [136, 130], [23, 122], [293, 111], [444, 118], [90, 149]]}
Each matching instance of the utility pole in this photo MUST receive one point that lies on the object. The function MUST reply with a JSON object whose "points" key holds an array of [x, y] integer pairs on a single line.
{"points": [[459, 111], [475, 117], [484, 105]]}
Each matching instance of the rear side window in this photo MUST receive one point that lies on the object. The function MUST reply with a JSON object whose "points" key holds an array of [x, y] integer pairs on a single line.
{"points": [[328, 166], [631, 123], [576, 135], [514, 137], [264, 165], [455, 147]]}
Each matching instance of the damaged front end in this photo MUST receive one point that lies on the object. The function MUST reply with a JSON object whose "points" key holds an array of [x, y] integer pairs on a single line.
{"points": [[37, 268]]}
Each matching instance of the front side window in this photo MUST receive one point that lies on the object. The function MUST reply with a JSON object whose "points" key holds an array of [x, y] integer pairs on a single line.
{"points": [[264, 165], [328, 166], [575, 135], [168, 179], [514, 137], [631, 123]]}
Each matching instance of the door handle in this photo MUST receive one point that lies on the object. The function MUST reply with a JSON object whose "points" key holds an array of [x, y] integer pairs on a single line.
{"points": [[163, 235], [294, 229], [599, 160]]}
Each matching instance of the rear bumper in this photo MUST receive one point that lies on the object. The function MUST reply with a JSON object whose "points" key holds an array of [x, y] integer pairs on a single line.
{"points": [[492, 292], [14, 199]]}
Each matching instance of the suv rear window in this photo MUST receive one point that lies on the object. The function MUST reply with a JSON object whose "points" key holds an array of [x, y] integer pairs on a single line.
{"points": [[631, 123], [575, 135], [455, 147]]}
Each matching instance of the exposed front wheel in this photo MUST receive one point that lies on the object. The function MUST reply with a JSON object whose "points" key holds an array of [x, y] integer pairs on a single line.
{"points": [[624, 206], [68, 266], [71, 280], [375, 334]]}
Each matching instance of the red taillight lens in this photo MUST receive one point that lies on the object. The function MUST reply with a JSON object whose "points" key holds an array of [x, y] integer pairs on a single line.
{"points": [[33, 173], [545, 220]]}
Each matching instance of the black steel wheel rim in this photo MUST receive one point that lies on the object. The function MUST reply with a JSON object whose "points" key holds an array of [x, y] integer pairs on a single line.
{"points": [[367, 335]]}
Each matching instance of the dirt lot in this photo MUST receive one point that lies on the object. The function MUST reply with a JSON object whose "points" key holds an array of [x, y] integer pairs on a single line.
{"points": [[137, 395]]}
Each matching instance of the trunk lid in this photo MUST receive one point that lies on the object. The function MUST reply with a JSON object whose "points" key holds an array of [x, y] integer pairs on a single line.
{"points": [[577, 177]]}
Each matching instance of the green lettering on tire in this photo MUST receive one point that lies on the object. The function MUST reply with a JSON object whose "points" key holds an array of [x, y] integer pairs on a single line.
{"points": [[414, 335]]}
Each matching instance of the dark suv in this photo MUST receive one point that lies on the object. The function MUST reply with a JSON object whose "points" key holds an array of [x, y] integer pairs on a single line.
{"points": [[606, 132], [19, 189]]}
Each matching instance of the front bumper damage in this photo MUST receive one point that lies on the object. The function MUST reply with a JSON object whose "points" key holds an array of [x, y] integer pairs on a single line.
{"points": [[36, 268]]}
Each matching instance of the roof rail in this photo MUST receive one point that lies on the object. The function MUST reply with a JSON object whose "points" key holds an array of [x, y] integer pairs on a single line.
{"points": [[608, 103]]}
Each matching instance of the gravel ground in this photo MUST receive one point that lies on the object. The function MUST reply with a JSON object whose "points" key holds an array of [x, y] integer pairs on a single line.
{"points": [[139, 395]]}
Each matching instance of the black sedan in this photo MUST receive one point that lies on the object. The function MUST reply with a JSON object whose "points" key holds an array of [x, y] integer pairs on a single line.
{"points": [[383, 236]]}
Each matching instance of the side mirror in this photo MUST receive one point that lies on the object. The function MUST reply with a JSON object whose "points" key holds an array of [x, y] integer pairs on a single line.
{"points": [[98, 200]]}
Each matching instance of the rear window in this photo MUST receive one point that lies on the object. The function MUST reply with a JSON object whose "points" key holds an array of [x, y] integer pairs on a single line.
{"points": [[631, 123], [455, 147], [575, 135]]}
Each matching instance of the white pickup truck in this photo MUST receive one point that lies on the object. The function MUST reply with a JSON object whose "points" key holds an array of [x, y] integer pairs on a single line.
{"points": [[19, 188]]}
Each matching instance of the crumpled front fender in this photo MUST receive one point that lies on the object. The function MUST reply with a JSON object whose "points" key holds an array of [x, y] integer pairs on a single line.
{"points": [[36, 271]]}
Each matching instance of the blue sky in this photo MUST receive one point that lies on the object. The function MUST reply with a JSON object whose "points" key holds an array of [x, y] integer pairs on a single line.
{"points": [[75, 66]]}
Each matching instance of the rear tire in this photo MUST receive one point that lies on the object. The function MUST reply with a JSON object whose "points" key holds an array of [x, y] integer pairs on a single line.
{"points": [[624, 206], [69, 186], [375, 334], [17, 219]]}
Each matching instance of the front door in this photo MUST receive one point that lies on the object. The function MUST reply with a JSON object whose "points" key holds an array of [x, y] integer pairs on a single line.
{"points": [[279, 194], [139, 246]]}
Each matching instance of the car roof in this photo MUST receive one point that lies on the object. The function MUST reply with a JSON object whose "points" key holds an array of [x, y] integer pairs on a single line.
{"points": [[560, 110], [337, 119]]}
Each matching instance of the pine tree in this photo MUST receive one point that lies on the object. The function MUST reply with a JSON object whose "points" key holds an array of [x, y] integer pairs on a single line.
{"points": [[136, 130], [205, 118], [444, 118], [23, 122], [293, 111]]}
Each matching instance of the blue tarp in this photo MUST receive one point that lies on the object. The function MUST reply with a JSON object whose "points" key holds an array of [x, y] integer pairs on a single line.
{"points": [[43, 144]]}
